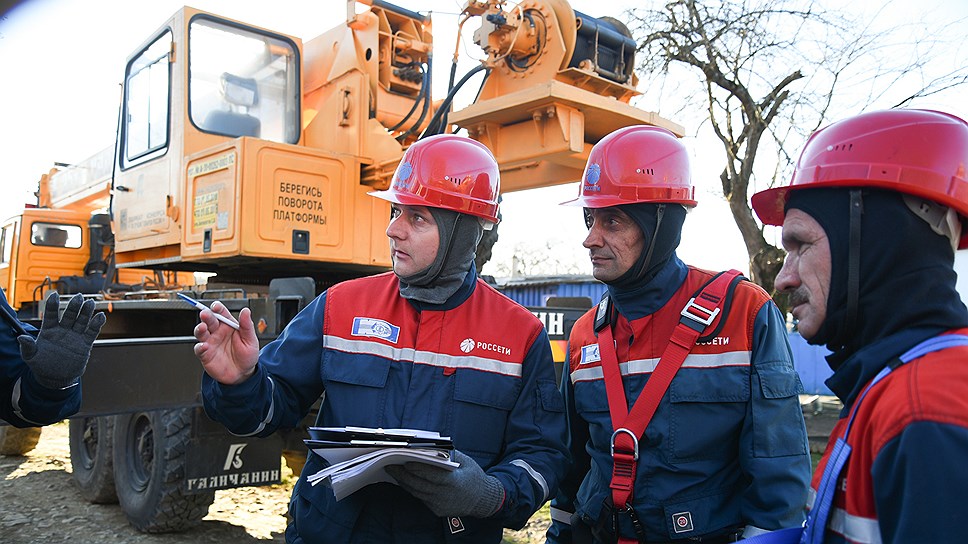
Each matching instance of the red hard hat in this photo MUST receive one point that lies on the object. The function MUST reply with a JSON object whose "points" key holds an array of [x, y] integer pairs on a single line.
{"points": [[917, 152], [450, 172], [636, 164]]}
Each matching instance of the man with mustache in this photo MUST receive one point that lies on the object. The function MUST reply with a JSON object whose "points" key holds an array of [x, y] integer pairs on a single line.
{"points": [[681, 394], [428, 346], [871, 222]]}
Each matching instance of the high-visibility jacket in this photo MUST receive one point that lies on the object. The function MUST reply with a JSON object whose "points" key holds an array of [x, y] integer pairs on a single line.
{"points": [[905, 479], [23, 401], [727, 446], [477, 368]]}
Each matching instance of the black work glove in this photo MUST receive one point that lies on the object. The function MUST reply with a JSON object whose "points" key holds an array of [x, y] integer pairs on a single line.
{"points": [[59, 355], [466, 491]]}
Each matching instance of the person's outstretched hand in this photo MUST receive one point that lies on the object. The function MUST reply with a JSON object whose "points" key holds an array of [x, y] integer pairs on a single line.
{"points": [[466, 491], [227, 355], [58, 356]]}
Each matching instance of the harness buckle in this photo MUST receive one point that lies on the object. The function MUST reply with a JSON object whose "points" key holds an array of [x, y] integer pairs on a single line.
{"points": [[614, 514], [701, 315], [635, 442]]}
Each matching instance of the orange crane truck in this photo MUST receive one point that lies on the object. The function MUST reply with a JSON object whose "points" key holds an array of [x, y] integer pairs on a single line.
{"points": [[248, 154]]}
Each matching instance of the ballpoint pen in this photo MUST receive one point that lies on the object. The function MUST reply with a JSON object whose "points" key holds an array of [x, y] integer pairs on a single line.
{"points": [[201, 306]]}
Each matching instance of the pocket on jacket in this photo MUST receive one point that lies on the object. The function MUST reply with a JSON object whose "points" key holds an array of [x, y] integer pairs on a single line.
{"points": [[549, 397], [708, 407], [590, 397], [356, 385], [482, 405], [778, 429], [316, 517]]}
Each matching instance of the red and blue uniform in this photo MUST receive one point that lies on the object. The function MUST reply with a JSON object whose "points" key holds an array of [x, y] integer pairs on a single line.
{"points": [[477, 368], [23, 401], [909, 439], [727, 446]]}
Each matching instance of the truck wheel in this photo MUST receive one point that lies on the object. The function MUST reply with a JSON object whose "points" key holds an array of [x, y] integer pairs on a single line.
{"points": [[91, 443], [150, 451], [14, 441]]}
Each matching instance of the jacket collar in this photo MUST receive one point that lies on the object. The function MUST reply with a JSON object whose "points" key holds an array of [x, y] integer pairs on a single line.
{"points": [[856, 371], [646, 299]]}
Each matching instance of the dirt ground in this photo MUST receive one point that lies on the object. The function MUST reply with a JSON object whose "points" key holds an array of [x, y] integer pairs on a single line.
{"points": [[820, 413], [39, 503]]}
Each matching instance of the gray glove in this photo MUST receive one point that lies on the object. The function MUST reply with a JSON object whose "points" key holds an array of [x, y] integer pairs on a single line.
{"points": [[466, 491], [59, 355]]}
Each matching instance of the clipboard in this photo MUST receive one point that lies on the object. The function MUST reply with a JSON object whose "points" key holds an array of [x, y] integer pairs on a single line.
{"points": [[364, 437]]}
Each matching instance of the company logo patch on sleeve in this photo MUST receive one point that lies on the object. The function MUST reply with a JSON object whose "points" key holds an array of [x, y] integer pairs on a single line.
{"points": [[456, 525], [377, 328], [590, 354], [682, 522]]}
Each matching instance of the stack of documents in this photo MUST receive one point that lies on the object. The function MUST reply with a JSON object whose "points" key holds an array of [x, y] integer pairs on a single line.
{"points": [[357, 455]]}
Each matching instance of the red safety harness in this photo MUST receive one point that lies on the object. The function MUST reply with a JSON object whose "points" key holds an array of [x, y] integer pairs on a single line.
{"points": [[698, 314]]}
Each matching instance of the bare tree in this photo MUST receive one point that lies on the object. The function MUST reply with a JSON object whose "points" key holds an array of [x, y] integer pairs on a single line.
{"points": [[552, 257], [772, 72]]}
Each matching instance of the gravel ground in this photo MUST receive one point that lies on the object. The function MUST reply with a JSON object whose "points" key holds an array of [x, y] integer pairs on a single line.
{"points": [[39, 504]]}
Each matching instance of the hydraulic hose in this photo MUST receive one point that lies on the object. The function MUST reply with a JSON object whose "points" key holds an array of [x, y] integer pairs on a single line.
{"points": [[435, 126]]}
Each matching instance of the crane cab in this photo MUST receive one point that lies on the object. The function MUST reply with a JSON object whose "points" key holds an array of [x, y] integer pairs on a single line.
{"points": [[212, 173]]}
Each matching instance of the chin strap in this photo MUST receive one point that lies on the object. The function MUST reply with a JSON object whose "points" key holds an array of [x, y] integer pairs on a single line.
{"points": [[659, 212], [853, 262]]}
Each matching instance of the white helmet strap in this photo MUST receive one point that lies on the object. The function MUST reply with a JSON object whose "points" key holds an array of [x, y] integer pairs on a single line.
{"points": [[942, 219]]}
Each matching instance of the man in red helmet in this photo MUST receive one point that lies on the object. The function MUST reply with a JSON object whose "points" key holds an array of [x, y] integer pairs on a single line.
{"points": [[428, 347], [681, 394], [871, 222]]}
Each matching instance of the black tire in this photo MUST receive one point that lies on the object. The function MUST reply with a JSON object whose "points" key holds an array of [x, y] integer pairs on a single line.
{"points": [[91, 440], [150, 452], [14, 441]]}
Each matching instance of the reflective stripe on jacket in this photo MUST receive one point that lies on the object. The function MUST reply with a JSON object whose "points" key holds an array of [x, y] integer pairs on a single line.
{"points": [[904, 480], [727, 446], [477, 369]]}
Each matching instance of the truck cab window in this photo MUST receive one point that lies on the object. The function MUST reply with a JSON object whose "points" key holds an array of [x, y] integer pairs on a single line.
{"points": [[55, 235], [6, 243], [242, 82], [146, 101]]}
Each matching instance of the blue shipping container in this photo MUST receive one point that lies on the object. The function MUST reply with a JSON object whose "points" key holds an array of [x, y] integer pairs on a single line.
{"points": [[811, 365], [535, 291]]}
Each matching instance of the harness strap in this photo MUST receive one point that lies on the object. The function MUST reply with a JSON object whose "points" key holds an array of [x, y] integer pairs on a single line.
{"points": [[814, 527], [630, 426], [853, 260]]}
